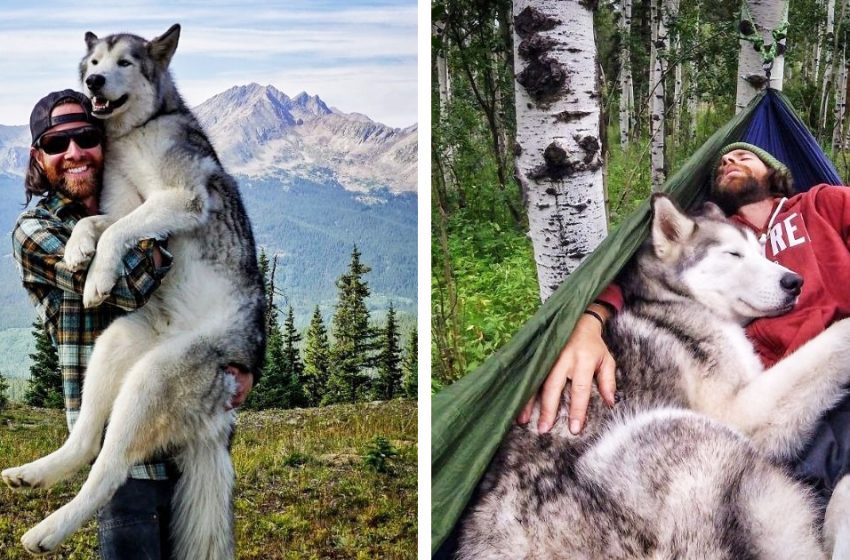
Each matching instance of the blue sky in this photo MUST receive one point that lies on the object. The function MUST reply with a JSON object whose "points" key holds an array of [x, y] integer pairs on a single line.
{"points": [[357, 56]]}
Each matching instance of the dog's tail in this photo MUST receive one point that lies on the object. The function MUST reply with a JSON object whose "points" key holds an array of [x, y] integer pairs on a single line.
{"points": [[202, 525]]}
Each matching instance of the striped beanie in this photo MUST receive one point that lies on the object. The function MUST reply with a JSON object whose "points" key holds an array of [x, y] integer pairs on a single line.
{"points": [[770, 161]]}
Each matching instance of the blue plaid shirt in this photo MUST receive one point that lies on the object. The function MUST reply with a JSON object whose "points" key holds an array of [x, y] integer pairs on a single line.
{"points": [[39, 242]]}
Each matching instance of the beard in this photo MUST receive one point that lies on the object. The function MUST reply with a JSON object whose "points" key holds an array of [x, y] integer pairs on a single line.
{"points": [[749, 190], [72, 187]]}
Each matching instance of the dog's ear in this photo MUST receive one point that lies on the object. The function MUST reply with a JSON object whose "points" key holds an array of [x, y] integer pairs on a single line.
{"points": [[162, 48], [670, 227], [91, 39], [712, 211]]}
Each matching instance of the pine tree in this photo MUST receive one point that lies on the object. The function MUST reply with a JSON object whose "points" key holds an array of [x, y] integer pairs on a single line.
{"points": [[267, 272], [409, 367], [292, 366], [4, 392], [271, 392], [45, 387], [388, 383], [352, 352], [317, 360]]}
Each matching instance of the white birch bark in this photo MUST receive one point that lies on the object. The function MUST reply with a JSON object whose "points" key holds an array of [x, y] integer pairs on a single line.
{"points": [[840, 103], [818, 42], [657, 99], [828, 70], [767, 15], [693, 101], [671, 12], [438, 29], [559, 161], [627, 95]]}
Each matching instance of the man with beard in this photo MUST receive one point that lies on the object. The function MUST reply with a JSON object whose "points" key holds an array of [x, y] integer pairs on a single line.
{"points": [[65, 169], [808, 233]]}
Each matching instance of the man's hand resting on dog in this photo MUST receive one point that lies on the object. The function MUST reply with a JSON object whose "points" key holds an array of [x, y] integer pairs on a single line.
{"points": [[584, 356], [244, 383]]}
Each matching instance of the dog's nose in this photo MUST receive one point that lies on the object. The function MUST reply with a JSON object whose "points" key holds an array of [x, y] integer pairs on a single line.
{"points": [[95, 82], [791, 283]]}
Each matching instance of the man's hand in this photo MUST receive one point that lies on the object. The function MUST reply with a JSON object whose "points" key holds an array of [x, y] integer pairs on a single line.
{"points": [[244, 383], [583, 357]]}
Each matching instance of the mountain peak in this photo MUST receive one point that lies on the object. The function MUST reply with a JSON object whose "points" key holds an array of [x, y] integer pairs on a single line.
{"points": [[312, 104]]}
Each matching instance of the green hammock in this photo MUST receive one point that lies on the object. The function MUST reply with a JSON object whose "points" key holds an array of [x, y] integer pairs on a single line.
{"points": [[470, 417]]}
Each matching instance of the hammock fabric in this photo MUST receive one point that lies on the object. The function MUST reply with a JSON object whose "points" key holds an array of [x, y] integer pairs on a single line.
{"points": [[470, 417]]}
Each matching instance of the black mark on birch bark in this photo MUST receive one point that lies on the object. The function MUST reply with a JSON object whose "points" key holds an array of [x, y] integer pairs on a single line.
{"points": [[590, 145], [543, 77], [535, 45], [530, 21], [568, 116]]}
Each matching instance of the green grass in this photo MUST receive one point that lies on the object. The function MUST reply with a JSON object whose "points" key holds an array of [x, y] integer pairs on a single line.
{"points": [[303, 489], [496, 281]]}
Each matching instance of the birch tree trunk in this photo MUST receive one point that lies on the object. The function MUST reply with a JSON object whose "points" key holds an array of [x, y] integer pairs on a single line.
{"points": [[559, 162], [840, 103], [767, 15], [828, 70], [438, 31], [693, 101], [671, 12], [818, 40], [627, 95], [657, 98]]}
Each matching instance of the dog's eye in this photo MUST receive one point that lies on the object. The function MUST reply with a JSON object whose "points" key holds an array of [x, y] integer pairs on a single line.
{"points": [[735, 254], [124, 63], [94, 62]]}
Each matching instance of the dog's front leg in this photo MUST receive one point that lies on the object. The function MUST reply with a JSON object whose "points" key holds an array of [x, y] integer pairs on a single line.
{"points": [[164, 213], [780, 407], [83, 241]]}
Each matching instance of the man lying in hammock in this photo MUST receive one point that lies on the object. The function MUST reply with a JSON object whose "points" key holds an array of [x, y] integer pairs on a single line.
{"points": [[808, 233]]}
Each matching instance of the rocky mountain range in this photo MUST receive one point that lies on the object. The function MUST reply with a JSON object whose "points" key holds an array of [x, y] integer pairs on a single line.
{"points": [[260, 132]]}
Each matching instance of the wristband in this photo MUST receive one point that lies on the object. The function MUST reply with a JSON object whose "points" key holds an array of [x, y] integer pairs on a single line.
{"points": [[595, 315]]}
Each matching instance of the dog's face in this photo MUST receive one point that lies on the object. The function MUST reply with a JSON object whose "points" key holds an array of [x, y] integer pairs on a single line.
{"points": [[120, 73], [720, 264]]}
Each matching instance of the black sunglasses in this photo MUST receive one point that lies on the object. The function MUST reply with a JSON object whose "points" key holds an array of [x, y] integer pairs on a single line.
{"points": [[57, 142]]}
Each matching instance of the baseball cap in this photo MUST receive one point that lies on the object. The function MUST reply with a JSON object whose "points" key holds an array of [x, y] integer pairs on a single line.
{"points": [[41, 121]]}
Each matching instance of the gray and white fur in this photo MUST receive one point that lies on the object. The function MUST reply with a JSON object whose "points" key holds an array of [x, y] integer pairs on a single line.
{"points": [[158, 374], [688, 463]]}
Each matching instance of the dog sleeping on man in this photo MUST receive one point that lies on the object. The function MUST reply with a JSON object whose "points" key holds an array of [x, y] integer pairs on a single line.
{"points": [[688, 462], [158, 374]]}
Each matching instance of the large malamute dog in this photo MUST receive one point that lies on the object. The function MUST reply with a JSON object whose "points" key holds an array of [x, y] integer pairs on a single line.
{"points": [[686, 465], [158, 375]]}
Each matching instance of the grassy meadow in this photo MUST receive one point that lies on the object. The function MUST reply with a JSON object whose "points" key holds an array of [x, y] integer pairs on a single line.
{"points": [[311, 483]]}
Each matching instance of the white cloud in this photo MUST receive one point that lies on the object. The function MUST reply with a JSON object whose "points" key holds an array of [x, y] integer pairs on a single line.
{"points": [[359, 59]]}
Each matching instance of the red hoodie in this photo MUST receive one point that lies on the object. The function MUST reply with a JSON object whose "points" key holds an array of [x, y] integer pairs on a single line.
{"points": [[811, 236]]}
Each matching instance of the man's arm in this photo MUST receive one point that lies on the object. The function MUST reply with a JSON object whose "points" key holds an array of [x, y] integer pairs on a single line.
{"points": [[38, 246], [584, 357]]}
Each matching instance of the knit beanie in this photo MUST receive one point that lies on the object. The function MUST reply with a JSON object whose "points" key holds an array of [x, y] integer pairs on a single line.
{"points": [[766, 158]]}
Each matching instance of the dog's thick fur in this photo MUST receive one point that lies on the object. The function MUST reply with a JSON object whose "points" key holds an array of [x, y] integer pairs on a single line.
{"points": [[158, 375], [686, 465]]}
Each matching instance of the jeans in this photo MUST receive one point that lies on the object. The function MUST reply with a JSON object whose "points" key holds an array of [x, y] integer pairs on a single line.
{"points": [[827, 457], [134, 524]]}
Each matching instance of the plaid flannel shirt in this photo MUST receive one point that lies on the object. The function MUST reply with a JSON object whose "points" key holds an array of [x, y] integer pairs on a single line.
{"points": [[39, 240]]}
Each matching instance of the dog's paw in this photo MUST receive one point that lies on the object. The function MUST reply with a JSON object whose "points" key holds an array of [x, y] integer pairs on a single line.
{"points": [[80, 247], [26, 476], [45, 537], [99, 283]]}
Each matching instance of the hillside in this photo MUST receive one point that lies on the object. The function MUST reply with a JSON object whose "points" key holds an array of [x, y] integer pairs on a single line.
{"points": [[303, 490]]}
